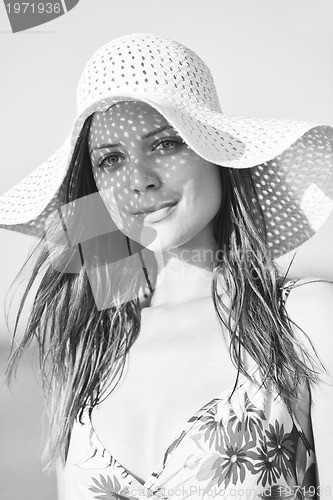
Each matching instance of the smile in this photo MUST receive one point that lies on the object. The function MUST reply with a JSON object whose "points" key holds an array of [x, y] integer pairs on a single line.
{"points": [[157, 215]]}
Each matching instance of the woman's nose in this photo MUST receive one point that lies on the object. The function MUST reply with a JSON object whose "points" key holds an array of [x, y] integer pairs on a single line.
{"points": [[143, 175]]}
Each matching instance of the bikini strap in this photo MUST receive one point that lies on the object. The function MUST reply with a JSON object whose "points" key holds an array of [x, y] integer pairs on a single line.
{"points": [[286, 289]]}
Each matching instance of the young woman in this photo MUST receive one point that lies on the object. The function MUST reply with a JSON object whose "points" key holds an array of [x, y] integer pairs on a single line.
{"points": [[175, 366]]}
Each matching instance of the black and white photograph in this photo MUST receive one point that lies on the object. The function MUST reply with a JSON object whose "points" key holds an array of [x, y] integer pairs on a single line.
{"points": [[166, 223]]}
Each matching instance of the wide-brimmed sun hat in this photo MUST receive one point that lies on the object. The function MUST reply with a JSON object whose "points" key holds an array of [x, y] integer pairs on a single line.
{"points": [[291, 161]]}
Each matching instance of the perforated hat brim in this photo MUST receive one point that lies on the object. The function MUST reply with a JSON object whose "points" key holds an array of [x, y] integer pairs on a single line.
{"points": [[291, 160]]}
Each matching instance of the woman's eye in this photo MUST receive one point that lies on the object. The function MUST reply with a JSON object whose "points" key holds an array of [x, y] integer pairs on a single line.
{"points": [[168, 144], [110, 160]]}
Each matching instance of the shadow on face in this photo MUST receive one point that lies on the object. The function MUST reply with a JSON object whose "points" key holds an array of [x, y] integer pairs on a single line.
{"points": [[140, 162]]}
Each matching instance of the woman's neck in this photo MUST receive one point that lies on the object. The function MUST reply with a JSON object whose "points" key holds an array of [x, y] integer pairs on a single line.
{"points": [[185, 273]]}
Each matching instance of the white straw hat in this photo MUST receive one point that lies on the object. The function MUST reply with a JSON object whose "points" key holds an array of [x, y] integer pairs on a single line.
{"points": [[292, 161]]}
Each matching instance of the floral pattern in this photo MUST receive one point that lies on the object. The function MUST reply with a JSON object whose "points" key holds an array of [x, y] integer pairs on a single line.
{"points": [[248, 443], [274, 457], [282, 446], [108, 489]]}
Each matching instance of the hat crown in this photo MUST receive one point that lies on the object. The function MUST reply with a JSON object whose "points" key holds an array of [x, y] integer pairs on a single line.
{"points": [[147, 65]]}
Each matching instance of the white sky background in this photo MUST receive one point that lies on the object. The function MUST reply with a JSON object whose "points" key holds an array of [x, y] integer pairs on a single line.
{"points": [[269, 58]]}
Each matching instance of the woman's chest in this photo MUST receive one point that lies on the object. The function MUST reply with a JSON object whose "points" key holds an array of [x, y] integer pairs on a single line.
{"points": [[174, 368]]}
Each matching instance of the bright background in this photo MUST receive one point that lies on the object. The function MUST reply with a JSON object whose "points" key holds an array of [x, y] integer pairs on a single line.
{"points": [[269, 58]]}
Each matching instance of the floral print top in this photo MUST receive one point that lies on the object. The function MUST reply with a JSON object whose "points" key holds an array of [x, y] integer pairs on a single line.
{"points": [[248, 447]]}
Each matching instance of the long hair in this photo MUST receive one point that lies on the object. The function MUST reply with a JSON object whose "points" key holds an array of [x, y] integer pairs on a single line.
{"points": [[82, 350]]}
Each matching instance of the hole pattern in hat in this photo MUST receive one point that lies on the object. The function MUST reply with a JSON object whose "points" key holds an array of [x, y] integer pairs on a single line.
{"points": [[282, 185], [291, 161], [151, 65]]}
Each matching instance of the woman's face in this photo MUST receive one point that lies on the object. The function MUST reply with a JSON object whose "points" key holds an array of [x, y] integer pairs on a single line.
{"points": [[139, 161]]}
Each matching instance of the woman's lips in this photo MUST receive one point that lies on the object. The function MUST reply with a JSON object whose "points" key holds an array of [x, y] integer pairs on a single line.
{"points": [[157, 215]]}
